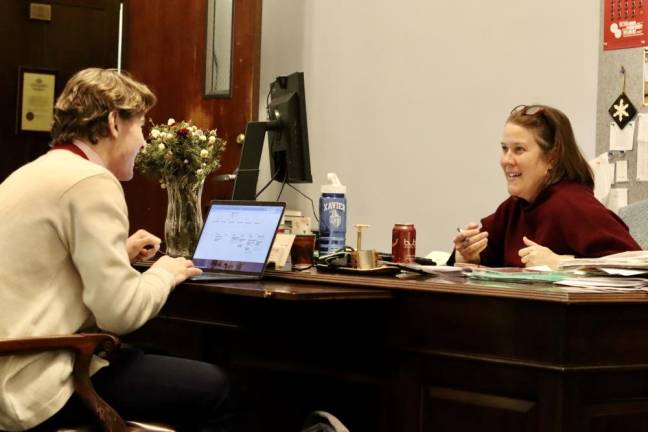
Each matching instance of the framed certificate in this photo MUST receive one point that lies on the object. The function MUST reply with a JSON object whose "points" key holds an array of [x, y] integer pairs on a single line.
{"points": [[36, 90]]}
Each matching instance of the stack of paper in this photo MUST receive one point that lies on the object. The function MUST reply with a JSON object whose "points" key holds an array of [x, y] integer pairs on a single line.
{"points": [[636, 262], [612, 283], [583, 281], [622, 265]]}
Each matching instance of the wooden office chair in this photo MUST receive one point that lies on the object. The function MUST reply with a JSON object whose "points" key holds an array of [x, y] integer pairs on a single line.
{"points": [[84, 346]]}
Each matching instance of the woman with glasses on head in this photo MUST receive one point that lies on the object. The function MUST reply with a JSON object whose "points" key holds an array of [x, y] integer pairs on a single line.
{"points": [[552, 214]]}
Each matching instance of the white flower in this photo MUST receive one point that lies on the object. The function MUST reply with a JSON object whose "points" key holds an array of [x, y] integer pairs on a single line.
{"points": [[159, 158]]}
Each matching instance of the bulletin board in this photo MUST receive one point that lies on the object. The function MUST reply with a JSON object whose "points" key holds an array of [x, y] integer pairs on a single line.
{"points": [[624, 24], [610, 83]]}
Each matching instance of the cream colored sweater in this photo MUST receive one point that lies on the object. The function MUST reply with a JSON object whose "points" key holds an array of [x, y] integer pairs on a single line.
{"points": [[64, 267]]}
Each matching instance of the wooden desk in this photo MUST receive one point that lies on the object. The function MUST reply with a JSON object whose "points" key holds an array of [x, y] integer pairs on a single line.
{"points": [[442, 354]]}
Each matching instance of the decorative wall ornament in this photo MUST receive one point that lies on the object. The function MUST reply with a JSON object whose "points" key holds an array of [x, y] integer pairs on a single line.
{"points": [[622, 110]]}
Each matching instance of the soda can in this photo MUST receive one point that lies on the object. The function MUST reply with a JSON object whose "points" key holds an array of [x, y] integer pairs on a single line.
{"points": [[403, 243]]}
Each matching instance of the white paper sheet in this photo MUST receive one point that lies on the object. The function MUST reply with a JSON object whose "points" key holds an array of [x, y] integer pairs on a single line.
{"points": [[281, 250], [618, 198], [603, 174], [621, 171], [621, 272], [621, 139], [642, 160], [642, 133], [611, 283]]}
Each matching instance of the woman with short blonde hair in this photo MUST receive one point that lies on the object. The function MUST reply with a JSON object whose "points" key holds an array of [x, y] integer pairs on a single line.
{"points": [[82, 109], [66, 268]]}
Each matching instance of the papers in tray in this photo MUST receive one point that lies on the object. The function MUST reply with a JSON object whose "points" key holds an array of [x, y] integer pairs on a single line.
{"points": [[610, 283], [616, 266], [621, 272], [566, 279], [631, 260]]}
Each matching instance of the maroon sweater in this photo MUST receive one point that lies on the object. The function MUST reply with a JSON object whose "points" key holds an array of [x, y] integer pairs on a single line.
{"points": [[565, 217]]}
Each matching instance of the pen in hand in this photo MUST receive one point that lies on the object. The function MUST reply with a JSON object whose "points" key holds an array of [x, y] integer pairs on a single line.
{"points": [[465, 242], [469, 244], [470, 226]]}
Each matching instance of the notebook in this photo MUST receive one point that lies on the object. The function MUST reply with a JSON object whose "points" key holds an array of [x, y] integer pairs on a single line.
{"points": [[236, 239]]}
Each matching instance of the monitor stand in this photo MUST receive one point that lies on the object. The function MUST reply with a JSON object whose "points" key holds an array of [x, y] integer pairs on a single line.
{"points": [[248, 170]]}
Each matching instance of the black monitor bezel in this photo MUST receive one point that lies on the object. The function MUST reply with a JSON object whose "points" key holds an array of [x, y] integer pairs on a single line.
{"points": [[289, 144]]}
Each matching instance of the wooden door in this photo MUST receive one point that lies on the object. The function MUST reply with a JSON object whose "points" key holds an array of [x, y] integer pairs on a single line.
{"points": [[164, 46], [81, 33]]}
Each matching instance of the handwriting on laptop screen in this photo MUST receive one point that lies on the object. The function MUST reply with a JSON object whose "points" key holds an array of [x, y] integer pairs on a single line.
{"points": [[235, 235]]}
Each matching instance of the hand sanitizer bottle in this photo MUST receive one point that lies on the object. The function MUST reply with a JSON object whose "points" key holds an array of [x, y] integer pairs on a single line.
{"points": [[332, 211]]}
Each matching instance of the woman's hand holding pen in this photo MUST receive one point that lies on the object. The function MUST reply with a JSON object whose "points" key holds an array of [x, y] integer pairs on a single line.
{"points": [[469, 243]]}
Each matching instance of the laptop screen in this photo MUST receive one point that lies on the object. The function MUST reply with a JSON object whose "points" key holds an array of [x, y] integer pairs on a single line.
{"points": [[237, 236]]}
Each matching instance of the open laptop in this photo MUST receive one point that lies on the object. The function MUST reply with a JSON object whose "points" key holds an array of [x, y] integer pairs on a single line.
{"points": [[236, 239]]}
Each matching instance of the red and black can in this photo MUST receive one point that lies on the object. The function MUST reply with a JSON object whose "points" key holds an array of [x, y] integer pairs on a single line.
{"points": [[403, 243]]}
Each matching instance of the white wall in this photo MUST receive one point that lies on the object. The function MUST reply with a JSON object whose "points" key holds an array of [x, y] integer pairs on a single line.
{"points": [[406, 100]]}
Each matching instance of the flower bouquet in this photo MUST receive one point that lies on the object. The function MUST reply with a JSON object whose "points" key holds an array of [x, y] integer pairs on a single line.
{"points": [[180, 155]]}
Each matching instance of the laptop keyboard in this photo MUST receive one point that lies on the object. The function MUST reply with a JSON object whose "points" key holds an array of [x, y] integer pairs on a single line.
{"points": [[223, 276]]}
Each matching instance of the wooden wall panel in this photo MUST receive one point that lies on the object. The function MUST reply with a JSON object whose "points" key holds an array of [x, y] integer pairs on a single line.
{"points": [[54, 45], [164, 46]]}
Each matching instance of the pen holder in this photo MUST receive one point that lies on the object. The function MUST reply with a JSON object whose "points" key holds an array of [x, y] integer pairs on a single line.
{"points": [[364, 259]]}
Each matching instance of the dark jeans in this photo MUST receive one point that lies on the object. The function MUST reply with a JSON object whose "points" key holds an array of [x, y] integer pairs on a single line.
{"points": [[144, 387]]}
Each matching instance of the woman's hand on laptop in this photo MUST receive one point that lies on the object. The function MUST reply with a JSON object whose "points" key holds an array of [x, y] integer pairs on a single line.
{"points": [[142, 246], [180, 268]]}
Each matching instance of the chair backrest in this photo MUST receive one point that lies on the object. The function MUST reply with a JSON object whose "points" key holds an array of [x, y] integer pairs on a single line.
{"points": [[635, 216]]}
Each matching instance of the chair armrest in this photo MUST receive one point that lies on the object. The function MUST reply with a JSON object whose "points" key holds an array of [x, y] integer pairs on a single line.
{"points": [[82, 343], [84, 346]]}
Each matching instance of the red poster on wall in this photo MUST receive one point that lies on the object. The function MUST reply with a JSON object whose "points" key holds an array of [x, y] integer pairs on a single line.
{"points": [[624, 24]]}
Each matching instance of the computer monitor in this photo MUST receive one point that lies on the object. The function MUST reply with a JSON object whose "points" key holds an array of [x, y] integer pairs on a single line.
{"points": [[287, 138], [289, 155]]}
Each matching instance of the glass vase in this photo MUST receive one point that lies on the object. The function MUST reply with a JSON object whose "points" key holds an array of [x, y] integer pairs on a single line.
{"points": [[184, 217]]}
